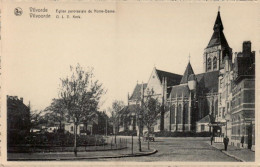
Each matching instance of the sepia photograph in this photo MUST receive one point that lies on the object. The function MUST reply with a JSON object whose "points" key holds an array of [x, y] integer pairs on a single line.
{"points": [[120, 81]]}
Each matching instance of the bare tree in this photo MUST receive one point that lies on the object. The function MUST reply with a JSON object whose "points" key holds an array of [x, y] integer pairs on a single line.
{"points": [[80, 93], [151, 111]]}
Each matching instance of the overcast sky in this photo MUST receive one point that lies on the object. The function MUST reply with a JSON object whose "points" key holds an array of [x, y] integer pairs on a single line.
{"points": [[123, 48]]}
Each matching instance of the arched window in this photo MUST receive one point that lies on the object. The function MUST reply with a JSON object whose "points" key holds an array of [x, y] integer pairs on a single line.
{"points": [[179, 117], [216, 107], [185, 114], [215, 63], [172, 110], [209, 64]]}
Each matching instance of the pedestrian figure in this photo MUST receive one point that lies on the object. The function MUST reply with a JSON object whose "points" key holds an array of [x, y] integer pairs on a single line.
{"points": [[226, 140], [211, 139], [242, 140]]}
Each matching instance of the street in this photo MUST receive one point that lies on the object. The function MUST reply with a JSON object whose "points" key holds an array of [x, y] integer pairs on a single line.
{"points": [[179, 149], [183, 149]]}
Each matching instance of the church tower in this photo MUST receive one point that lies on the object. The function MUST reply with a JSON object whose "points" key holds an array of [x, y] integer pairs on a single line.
{"points": [[217, 48]]}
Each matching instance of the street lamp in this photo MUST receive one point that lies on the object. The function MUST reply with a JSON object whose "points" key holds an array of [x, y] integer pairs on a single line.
{"points": [[139, 137]]}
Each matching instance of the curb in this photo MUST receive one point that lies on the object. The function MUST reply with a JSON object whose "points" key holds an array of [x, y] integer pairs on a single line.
{"points": [[81, 158], [230, 155], [233, 156], [114, 149]]}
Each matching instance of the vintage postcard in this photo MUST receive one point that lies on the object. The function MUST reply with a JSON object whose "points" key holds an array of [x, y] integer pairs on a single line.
{"points": [[142, 82]]}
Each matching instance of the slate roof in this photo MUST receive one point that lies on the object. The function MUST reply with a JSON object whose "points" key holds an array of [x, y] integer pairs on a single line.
{"points": [[123, 111], [172, 79], [128, 110], [218, 23], [192, 77], [136, 95], [218, 37], [186, 74], [178, 90], [208, 82], [206, 119]]}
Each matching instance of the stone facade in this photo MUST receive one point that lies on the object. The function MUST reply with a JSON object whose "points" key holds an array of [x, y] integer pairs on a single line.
{"points": [[217, 48], [221, 100]]}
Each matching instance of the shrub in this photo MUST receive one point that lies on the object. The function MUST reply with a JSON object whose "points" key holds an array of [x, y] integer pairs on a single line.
{"points": [[128, 133], [181, 134], [59, 139]]}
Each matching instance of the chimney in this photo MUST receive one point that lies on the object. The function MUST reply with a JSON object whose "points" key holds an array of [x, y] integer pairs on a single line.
{"points": [[15, 97], [246, 47], [21, 99]]}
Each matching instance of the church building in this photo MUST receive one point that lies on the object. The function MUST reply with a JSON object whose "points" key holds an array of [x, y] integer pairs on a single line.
{"points": [[205, 102]]}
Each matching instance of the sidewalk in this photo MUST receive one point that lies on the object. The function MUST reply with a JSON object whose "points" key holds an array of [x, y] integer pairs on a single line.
{"points": [[241, 154], [54, 156]]}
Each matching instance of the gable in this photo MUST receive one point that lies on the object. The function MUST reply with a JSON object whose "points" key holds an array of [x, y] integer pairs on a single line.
{"points": [[154, 83]]}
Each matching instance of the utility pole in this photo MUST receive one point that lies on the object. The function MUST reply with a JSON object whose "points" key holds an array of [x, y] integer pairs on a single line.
{"points": [[106, 126]]}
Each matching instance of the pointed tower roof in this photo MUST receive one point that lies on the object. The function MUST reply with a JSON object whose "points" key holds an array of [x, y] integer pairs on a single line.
{"points": [[218, 26], [136, 95], [186, 74], [218, 37]]}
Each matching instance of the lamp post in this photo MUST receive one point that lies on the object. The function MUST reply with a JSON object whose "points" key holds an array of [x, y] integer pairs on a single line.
{"points": [[139, 137], [226, 127]]}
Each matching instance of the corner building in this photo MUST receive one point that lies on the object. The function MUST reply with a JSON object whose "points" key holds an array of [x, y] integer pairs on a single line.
{"points": [[243, 100]]}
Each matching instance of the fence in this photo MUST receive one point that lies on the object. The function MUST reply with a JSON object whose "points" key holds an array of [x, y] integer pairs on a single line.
{"points": [[218, 139], [108, 143]]}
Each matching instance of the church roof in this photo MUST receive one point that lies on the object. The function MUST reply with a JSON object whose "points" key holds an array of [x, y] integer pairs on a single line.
{"points": [[179, 90], [206, 119], [208, 82], [136, 95], [192, 77], [127, 110], [172, 79], [186, 74], [218, 26], [218, 37]]}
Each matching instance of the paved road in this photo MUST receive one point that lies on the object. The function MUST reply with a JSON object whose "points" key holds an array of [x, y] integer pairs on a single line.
{"points": [[180, 149], [169, 149]]}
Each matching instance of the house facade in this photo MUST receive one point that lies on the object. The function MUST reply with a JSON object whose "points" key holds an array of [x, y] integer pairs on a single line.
{"points": [[18, 120], [243, 99]]}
